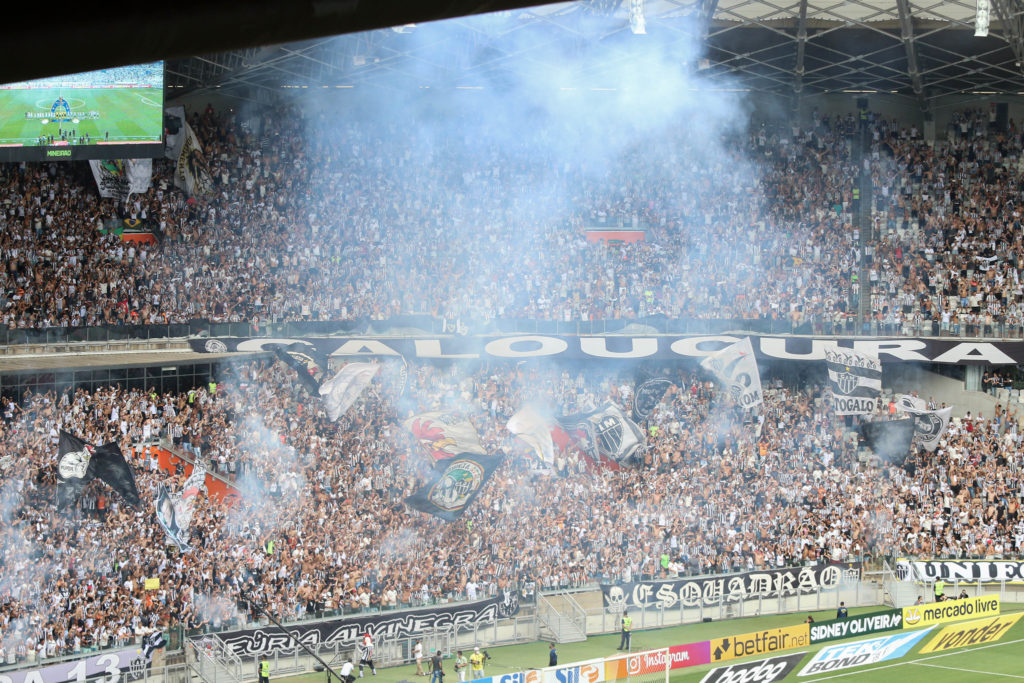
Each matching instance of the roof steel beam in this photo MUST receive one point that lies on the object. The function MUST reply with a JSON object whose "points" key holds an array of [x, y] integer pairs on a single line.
{"points": [[907, 34]]}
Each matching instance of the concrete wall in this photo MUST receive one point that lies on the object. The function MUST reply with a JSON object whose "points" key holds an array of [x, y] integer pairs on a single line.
{"points": [[902, 379]]}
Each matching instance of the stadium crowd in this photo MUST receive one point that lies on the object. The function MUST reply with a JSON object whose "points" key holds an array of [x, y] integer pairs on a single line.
{"points": [[321, 524], [359, 224], [350, 222]]}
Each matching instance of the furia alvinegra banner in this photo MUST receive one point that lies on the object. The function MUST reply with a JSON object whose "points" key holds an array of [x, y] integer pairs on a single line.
{"points": [[710, 590], [924, 350], [390, 626]]}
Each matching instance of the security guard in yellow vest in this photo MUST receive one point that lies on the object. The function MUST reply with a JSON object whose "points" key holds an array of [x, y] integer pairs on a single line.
{"points": [[627, 631], [264, 670]]}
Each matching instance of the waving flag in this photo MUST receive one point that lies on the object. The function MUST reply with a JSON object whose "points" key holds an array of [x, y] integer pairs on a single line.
{"points": [[342, 390], [647, 394], [535, 430], [444, 435], [606, 435], [80, 462], [450, 491], [305, 360], [736, 368], [174, 510], [856, 379], [929, 425]]}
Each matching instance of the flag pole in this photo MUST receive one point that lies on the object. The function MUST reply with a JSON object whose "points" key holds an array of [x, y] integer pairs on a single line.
{"points": [[263, 610]]}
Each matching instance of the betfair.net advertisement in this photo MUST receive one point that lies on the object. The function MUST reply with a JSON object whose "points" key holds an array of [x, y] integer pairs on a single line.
{"points": [[759, 642]]}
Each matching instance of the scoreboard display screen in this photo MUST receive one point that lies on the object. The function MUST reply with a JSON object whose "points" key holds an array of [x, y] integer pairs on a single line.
{"points": [[114, 113]]}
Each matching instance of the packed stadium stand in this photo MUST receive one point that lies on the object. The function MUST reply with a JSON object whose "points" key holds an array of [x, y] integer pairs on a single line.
{"points": [[865, 222]]}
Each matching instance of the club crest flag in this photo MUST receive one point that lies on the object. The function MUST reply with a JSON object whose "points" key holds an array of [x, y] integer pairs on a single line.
{"points": [[736, 368], [606, 436], [856, 380], [342, 390], [450, 491], [535, 430], [444, 435]]}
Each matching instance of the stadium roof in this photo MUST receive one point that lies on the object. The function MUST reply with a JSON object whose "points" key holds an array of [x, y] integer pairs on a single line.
{"points": [[922, 50]]}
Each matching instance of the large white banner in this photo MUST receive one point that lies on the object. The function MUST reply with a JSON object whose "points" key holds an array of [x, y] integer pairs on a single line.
{"points": [[118, 178], [736, 367]]}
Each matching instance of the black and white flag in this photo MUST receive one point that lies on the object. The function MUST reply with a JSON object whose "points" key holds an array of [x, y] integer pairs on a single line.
{"points": [[607, 436], [647, 394], [856, 379], [310, 364], [929, 425], [449, 492], [80, 462], [118, 178], [736, 368], [174, 510], [908, 403]]}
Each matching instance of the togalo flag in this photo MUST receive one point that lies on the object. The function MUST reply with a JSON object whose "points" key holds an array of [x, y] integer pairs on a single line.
{"points": [[856, 379], [736, 368]]}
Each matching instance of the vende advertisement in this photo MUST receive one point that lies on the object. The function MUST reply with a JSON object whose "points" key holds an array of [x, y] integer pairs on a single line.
{"points": [[964, 571], [760, 642], [762, 671], [860, 625], [863, 652], [972, 633], [950, 610]]}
